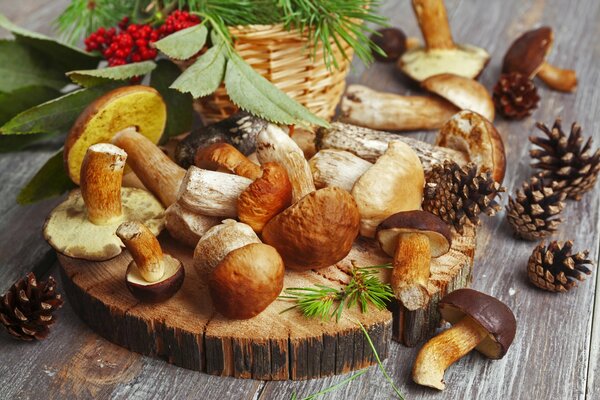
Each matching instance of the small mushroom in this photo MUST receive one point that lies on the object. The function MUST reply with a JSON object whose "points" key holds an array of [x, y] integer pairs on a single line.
{"points": [[152, 276], [413, 238], [440, 54], [226, 157], [246, 281], [478, 140], [187, 226], [393, 184], [84, 225], [393, 42], [479, 321], [527, 55], [332, 167]]}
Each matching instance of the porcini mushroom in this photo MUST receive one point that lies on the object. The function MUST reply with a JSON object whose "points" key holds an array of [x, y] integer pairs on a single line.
{"points": [[246, 281], [332, 167], [226, 157], [413, 238], [393, 184], [151, 276], [84, 225], [479, 321], [527, 56], [187, 226], [478, 140], [440, 54], [138, 106]]}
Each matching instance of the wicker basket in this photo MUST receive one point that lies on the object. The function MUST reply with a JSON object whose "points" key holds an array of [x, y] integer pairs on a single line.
{"points": [[284, 58]]}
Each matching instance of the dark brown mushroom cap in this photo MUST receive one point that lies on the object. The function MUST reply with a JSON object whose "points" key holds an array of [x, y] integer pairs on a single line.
{"points": [[489, 312], [528, 52], [417, 221], [162, 290]]}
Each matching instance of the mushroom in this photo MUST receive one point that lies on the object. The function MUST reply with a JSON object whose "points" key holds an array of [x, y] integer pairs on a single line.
{"points": [[84, 225], [478, 140], [187, 226], [479, 321], [151, 276], [246, 281], [393, 42], [413, 238], [266, 197], [331, 167], [527, 56], [226, 157], [393, 184], [440, 54], [130, 106]]}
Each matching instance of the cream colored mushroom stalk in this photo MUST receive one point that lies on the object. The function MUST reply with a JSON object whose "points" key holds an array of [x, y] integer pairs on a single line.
{"points": [[84, 225]]}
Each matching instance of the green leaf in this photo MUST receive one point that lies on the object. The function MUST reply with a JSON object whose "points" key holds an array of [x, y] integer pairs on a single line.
{"points": [[9, 143], [205, 75], [21, 66], [95, 77], [255, 94], [13, 103], [69, 57], [180, 113], [54, 116], [51, 180], [183, 44]]}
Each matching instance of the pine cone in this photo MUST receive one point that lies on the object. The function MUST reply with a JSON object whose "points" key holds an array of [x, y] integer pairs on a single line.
{"points": [[458, 195], [530, 213], [564, 160], [26, 309], [555, 269], [515, 96]]}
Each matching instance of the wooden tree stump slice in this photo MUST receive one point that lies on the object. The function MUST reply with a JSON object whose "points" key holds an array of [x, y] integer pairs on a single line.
{"points": [[188, 332]]}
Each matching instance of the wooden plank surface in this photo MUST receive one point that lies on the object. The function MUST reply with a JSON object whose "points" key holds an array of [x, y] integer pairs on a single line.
{"points": [[557, 347]]}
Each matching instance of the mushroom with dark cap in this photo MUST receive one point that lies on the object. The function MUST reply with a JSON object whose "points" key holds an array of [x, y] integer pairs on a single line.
{"points": [[527, 56], [151, 276], [413, 238], [479, 321]]}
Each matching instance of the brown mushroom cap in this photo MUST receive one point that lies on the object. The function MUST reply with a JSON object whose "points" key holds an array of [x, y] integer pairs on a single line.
{"points": [[246, 281], [317, 231], [490, 313], [388, 231], [528, 52], [161, 290]]}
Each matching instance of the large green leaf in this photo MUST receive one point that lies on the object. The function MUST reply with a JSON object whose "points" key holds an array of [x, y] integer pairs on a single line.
{"points": [[95, 77], [14, 102], [55, 116], [21, 66], [68, 57], [180, 113], [253, 93], [183, 44], [204, 76], [51, 180]]}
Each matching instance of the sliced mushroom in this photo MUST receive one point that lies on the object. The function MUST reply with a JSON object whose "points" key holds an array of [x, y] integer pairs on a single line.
{"points": [[527, 55], [331, 167], [440, 54], [479, 321], [152, 276], [413, 238], [187, 226], [228, 158], [84, 225]]}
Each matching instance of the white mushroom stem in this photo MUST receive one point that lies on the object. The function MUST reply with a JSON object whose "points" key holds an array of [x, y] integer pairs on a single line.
{"points": [[274, 145], [411, 272], [144, 249], [211, 193], [557, 78], [433, 21], [157, 172], [444, 350], [378, 110], [331, 167], [101, 175], [187, 226]]}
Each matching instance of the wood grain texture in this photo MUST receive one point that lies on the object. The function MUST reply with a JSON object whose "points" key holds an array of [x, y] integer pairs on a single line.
{"points": [[557, 347]]}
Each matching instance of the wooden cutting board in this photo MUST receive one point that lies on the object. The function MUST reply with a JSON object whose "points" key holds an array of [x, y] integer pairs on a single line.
{"points": [[188, 332]]}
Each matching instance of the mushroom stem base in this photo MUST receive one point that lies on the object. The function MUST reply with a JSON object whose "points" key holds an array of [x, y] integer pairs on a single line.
{"points": [[556, 78], [444, 350], [410, 275]]}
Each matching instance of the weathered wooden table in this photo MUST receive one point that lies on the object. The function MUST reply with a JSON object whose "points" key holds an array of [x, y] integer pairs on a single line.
{"points": [[557, 349]]}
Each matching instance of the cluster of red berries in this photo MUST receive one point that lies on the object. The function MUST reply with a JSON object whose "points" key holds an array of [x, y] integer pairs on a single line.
{"points": [[132, 42]]}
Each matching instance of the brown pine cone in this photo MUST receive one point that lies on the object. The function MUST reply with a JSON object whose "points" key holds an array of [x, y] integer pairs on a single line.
{"points": [[459, 194], [26, 308], [555, 269], [515, 96], [564, 160], [531, 213]]}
